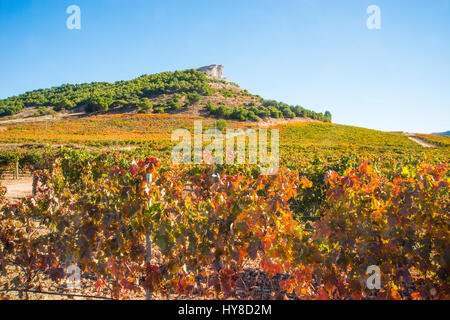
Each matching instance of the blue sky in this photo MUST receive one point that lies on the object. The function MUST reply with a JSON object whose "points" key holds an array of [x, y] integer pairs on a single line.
{"points": [[316, 53]]}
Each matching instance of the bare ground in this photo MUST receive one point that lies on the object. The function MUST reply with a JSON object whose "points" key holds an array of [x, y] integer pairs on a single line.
{"points": [[18, 189], [423, 143]]}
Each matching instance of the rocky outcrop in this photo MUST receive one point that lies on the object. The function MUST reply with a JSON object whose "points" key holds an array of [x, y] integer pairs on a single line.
{"points": [[214, 71]]}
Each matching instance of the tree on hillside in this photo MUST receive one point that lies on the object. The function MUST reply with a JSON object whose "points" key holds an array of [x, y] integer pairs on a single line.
{"points": [[97, 104], [145, 106], [287, 113], [194, 97], [64, 104], [221, 125]]}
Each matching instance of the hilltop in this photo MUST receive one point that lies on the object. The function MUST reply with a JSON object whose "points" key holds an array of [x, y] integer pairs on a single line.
{"points": [[190, 92]]}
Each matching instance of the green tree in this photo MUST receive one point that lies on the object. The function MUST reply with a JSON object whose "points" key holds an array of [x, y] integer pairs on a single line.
{"points": [[145, 106], [221, 124], [287, 113], [97, 104], [194, 97]]}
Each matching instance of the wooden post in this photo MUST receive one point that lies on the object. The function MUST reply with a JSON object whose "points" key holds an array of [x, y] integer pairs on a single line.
{"points": [[17, 168], [35, 183], [214, 176], [148, 243]]}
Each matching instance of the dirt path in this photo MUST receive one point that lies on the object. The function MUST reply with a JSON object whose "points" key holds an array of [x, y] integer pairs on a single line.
{"points": [[18, 189], [422, 142]]}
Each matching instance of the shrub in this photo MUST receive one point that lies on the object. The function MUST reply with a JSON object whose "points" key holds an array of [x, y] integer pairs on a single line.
{"points": [[42, 111], [97, 104], [64, 104], [194, 97], [221, 124], [145, 106], [287, 113], [252, 116]]}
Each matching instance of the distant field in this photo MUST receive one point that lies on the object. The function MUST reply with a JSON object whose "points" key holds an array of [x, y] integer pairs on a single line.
{"points": [[340, 136], [443, 141], [102, 130], [155, 130]]}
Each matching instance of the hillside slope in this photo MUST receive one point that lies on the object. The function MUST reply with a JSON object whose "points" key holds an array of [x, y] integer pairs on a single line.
{"points": [[146, 129], [188, 92]]}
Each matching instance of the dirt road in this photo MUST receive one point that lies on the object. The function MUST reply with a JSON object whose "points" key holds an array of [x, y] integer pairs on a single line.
{"points": [[18, 189], [422, 142]]}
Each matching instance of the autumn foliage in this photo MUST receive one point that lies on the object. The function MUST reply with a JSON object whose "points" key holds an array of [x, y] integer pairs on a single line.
{"points": [[206, 225]]}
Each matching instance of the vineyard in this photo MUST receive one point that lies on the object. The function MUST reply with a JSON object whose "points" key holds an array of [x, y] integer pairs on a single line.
{"points": [[214, 158], [151, 134], [344, 199]]}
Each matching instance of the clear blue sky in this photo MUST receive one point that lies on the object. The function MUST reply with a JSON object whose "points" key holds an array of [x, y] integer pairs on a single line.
{"points": [[316, 53]]}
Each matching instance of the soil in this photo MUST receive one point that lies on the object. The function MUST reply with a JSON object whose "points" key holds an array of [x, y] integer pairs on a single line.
{"points": [[18, 188], [423, 143]]}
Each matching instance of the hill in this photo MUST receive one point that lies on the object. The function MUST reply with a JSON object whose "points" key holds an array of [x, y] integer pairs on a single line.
{"points": [[446, 133], [189, 92]]}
